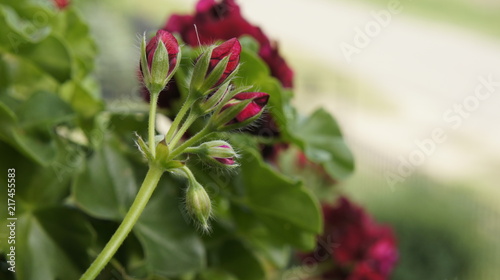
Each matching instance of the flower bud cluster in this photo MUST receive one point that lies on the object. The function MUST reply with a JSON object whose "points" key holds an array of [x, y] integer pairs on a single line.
{"points": [[212, 93]]}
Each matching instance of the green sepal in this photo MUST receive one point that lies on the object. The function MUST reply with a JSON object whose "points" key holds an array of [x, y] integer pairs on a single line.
{"points": [[143, 147], [241, 124], [214, 76], [220, 119], [200, 70], [211, 103], [146, 75], [230, 95], [159, 68], [162, 151]]}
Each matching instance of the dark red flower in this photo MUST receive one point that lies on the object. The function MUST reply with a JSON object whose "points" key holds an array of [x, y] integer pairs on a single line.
{"points": [[215, 20], [364, 271], [254, 108], [277, 65], [171, 45], [222, 20], [231, 48], [61, 4], [359, 248]]}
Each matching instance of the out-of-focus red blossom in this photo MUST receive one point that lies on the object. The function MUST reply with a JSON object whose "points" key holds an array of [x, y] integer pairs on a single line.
{"points": [[364, 272], [61, 4], [259, 101], [222, 20], [231, 48], [171, 45], [278, 66], [358, 248]]}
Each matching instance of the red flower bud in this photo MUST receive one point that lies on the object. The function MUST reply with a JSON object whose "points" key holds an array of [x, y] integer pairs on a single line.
{"points": [[219, 151], [61, 4], [231, 48], [170, 43], [226, 161], [254, 108]]}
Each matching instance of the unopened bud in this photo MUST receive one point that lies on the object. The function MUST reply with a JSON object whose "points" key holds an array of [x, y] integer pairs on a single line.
{"points": [[216, 66], [231, 49], [217, 152], [198, 204], [241, 110], [159, 60]]}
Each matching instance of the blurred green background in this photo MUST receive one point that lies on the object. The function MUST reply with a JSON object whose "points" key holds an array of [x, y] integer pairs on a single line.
{"points": [[387, 96]]}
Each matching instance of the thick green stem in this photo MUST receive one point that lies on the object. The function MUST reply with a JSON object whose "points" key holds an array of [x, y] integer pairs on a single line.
{"points": [[197, 137], [180, 116], [135, 211], [152, 123]]}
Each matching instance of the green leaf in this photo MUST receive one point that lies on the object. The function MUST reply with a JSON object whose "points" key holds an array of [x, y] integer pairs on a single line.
{"points": [[287, 210], [7, 116], [215, 274], [38, 186], [249, 43], [43, 108], [37, 144], [252, 67], [51, 55], [31, 130], [23, 77], [82, 100], [17, 25], [240, 261], [273, 195], [321, 140], [51, 244], [106, 187], [272, 244], [171, 246], [69, 25]]}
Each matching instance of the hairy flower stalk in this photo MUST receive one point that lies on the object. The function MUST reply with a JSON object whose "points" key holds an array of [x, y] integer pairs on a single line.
{"points": [[210, 94], [159, 61]]}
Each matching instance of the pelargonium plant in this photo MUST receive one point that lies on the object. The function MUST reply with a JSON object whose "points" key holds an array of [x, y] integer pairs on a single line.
{"points": [[210, 95], [239, 186]]}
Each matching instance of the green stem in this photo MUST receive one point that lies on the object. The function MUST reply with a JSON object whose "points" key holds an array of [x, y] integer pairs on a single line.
{"points": [[180, 116], [197, 137], [151, 123], [188, 172], [189, 121], [135, 211]]}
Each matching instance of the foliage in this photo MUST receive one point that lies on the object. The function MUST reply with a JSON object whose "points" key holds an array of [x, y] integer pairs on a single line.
{"points": [[77, 170]]}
